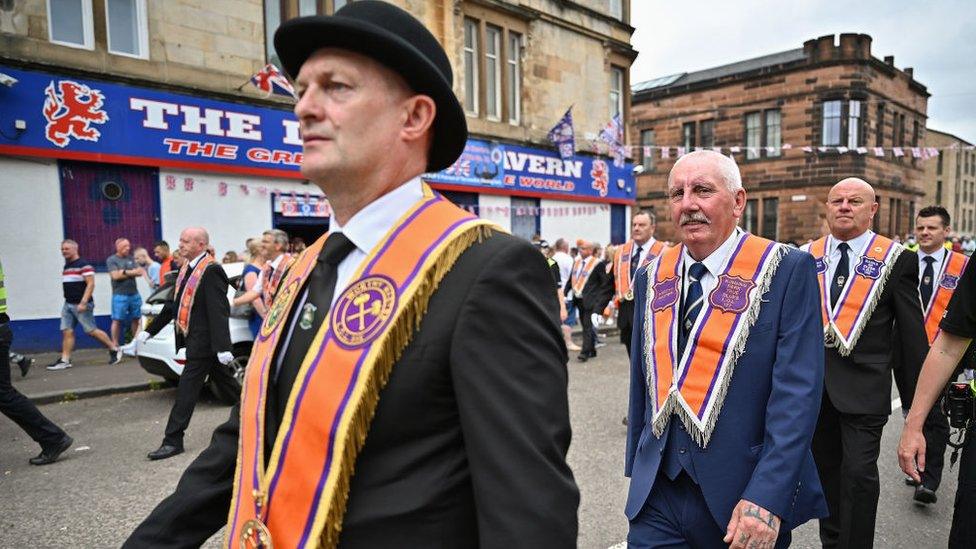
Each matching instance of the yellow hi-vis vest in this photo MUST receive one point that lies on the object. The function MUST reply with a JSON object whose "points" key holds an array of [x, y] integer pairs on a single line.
{"points": [[3, 292]]}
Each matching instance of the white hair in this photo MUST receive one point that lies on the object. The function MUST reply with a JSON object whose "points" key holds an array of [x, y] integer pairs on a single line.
{"points": [[726, 166]]}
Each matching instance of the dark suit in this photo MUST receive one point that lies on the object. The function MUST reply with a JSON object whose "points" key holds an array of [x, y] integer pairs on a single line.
{"points": [[209, 334], [856, 405], [760, 447], [468, 444], [595, 295]]}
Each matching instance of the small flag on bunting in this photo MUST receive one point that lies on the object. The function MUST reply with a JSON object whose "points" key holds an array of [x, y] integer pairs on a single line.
{"points": [[897, 151], [878, 151], [271, 81]]}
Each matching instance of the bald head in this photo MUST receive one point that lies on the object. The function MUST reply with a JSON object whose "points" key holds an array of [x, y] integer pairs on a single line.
{"points": [[193, 242], [851, 205]]}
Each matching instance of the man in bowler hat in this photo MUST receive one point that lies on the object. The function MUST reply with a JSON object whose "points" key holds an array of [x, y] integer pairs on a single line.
{"points": [[467, 445]]}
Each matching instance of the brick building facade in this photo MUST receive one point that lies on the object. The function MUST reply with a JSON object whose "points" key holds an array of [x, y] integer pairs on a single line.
{"points": [[950, 181], [826, 95]]}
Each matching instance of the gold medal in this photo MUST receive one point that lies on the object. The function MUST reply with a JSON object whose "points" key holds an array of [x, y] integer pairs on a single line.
{"points": [[255, 535], [629, 295]]}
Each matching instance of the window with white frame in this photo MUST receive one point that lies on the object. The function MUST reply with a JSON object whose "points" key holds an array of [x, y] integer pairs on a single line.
{"points": [[514, 65], [830, 134], [774, 133], [70, 23], [493, 73], [471, 66], [616, 92], [853, 124], [128, 28], [753, 135], [647, 152]]}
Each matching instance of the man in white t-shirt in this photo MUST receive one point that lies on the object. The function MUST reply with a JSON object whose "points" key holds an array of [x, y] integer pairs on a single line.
{"points": [[565, 262]]}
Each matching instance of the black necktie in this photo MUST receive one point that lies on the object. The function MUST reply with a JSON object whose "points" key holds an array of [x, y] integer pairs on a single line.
{"points": [[692, 304], [305, 323], [925, 288], [841, 274], [635, 261]]}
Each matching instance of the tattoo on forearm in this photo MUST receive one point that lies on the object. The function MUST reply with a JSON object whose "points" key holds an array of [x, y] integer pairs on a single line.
{"points": [[743, 537]]}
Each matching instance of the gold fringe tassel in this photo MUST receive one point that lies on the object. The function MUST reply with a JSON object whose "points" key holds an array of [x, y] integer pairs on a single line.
{"points": [[399, 335]]}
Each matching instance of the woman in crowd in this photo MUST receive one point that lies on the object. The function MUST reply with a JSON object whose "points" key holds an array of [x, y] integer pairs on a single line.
{"points": [[252, 270]]}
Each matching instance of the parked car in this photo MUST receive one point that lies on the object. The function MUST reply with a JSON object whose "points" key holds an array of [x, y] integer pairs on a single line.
{"points": [[158, 355]]}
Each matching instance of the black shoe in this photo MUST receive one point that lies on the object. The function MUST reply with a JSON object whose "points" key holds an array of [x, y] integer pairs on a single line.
{"points": [[51, 455], [25, 364], [583, 357], [165, 451], [909, 481], [924, 495]]}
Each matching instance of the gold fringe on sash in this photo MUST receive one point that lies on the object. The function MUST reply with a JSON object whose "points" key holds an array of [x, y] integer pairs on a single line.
{"points": [[396, 339]]}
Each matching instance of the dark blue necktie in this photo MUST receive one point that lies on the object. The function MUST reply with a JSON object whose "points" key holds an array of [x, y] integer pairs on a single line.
{"points": [[840, 275], [635, 261], [692, 304], [925, 288]]}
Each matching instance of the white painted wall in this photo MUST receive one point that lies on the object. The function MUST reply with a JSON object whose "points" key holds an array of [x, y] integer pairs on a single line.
{"points": [[31, 230], [230, 219], [588, 226], [488, 204]]}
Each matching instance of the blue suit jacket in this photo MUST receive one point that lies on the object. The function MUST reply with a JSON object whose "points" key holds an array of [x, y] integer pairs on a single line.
{"points": [[760, 447]]}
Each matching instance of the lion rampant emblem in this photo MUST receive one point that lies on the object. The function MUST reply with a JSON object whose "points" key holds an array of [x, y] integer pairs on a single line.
{"points": [[70, 109]]}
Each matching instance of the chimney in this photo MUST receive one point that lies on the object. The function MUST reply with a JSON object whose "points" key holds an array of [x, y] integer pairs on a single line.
{"points": [[825, 47], [810, 49], [909, 71], [890, 60]]}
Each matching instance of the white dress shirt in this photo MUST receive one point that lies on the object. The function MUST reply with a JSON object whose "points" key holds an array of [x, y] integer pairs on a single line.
{"points": [[715, 263], [565, 262], [259, 285], [940, 256], [854, 254]]}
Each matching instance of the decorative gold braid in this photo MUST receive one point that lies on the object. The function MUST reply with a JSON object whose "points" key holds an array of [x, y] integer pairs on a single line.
{"points": [[391, 348]]}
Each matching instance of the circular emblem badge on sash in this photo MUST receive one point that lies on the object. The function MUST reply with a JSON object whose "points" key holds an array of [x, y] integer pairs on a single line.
{"points": [[362, 311], [255, 535], [276, 315]]}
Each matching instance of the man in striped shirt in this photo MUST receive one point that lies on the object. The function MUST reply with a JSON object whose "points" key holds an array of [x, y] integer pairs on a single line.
{"points": [[78, 280]]}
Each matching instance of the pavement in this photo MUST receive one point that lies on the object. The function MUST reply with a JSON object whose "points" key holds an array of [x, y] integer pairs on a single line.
{"points": [[90, 376]]}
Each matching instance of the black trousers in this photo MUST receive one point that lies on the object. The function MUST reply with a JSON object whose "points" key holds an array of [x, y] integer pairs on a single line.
{"points": [[586, 322], [625, 321], [17, 407], [936, 432], [187, 392], [846, 449], [963, 532]]}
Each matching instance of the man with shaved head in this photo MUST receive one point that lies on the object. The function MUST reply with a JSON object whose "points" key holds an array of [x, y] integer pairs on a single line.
{"points": [[870, 303], [201, 310], [726, 377]]}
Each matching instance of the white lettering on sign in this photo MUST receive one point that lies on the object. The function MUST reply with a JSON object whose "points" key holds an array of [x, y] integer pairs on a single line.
{"points": [[243, 126], [209, 123], [292, 135], [155, 111], [543, 165], [798, 197]]}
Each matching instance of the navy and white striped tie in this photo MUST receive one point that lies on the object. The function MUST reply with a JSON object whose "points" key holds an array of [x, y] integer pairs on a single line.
{"points": [[692, 305]]}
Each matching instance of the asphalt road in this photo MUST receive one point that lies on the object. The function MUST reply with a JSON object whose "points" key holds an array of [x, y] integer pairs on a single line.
{"points": [[104, 485]]}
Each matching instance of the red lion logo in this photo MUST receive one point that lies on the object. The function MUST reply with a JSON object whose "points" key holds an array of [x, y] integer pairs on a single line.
{"points": [[70, 112], [600, 175]]}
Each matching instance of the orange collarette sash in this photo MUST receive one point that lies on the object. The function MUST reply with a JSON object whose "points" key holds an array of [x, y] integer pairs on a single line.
{"points": [[844, 323], [952, 267], [271, 284], [190, 292], [298, 498], [695, 387], [581, 273], [621, 267]]}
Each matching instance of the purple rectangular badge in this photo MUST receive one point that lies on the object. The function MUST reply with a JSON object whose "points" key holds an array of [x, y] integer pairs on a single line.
{"points": [[869, 268], [731, 294], [665, 294], [949, 282]]}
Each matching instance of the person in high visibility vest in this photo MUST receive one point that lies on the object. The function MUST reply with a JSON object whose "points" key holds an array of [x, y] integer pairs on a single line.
{"points": [[53, 440]]}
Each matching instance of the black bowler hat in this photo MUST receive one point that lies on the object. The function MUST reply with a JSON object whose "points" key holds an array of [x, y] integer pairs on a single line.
{"points": [[396, 39]]}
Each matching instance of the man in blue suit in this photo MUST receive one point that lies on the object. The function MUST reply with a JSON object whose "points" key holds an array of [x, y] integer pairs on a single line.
{"points": [[726, 379]]}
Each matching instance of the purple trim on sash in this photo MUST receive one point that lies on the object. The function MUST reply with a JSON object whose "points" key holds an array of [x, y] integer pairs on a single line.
{"points": [[323, 477], [725, 346]]}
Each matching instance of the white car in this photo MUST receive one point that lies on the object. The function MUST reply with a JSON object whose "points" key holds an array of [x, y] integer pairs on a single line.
{"points": [[158, 354]]}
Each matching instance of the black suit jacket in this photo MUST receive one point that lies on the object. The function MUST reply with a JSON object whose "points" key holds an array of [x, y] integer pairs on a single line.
{"points": [[209, 328], [861, 382], [598, 288], [468, 444]]}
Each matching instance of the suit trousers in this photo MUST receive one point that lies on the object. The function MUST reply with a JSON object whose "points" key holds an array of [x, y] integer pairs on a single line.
{"points": [[963, 532], [19, 408], [625, 321], [187, 392], [676, 515], [589, 333], [846, 449]]}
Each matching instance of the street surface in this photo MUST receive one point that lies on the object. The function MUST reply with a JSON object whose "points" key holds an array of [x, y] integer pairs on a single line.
{"points": [[104, 485]]}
